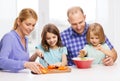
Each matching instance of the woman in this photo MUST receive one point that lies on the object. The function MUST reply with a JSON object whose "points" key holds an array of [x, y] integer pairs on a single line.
{"points": [[14, 55]]}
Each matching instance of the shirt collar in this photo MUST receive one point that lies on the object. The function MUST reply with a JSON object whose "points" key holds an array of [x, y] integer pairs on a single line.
{"points": [[18, 35]]}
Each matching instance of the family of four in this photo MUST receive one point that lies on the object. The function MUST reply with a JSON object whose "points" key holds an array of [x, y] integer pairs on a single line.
{"points": [[57, 48]]}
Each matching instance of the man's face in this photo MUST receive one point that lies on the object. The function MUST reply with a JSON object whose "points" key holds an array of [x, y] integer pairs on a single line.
{"points": [[77, 21]]}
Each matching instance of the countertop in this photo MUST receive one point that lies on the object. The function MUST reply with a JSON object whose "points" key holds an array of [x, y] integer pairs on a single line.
{"points": [[95, 73]]}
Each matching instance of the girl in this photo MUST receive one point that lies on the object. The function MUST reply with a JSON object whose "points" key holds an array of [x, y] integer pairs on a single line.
{"points": [[96, 47], [51, 47]]}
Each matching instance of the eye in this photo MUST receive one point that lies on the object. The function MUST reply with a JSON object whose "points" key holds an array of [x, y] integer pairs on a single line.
{"points": [[54, 36], [91, 38], [28, 24], [47, 38], [74, 24], [33, 25], [81, 22], [97, 38]]}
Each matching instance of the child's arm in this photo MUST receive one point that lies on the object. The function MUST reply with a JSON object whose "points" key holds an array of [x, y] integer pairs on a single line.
{"points": [[105, 51], [37, 53], [64, 60], [63, 57]]}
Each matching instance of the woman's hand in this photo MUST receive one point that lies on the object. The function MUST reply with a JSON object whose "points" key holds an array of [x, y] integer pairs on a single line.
{"points": [[108, 61], [33, 66]]}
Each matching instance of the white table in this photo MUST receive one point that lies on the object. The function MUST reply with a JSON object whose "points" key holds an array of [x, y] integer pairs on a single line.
{"points": [[95, 73]]}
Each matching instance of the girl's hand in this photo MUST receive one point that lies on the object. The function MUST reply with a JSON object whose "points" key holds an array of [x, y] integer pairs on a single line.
{"points": [[39, 53], [82, 53], [57, 64], [99, 47], [33, 66]]}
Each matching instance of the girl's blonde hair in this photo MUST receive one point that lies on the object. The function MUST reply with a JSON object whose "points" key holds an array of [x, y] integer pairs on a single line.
{"points": [[25, 14], [51, 28], [97, 30]]}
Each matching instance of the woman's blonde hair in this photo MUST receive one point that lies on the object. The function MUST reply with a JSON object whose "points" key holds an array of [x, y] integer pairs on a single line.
{"points": [[97, 30], [25, 14]]}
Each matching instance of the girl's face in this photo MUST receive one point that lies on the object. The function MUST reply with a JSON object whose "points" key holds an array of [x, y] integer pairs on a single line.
{"points": [[27, 26], [51, 39], [94, 39]]}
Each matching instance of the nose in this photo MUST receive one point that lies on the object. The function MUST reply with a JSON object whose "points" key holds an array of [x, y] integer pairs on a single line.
{"points": [[51, 39], [78, 26], [31, 28], [94, 40]]}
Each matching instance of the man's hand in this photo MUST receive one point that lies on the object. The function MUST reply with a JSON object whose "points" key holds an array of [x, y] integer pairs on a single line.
{"points": [[108, 61]]}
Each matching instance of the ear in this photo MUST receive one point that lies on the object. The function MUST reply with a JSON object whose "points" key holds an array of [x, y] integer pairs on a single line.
{"points": [[18, 21], [84, 16], [68, 20]]}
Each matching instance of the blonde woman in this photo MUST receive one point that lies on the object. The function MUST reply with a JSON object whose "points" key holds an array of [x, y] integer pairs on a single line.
{"points": [[14, 55]]}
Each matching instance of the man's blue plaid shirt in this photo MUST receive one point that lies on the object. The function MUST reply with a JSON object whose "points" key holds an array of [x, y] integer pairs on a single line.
{"points": [[75, 42]]}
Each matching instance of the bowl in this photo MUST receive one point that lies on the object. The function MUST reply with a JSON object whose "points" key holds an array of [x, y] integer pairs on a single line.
{"points": [[83, 63]]}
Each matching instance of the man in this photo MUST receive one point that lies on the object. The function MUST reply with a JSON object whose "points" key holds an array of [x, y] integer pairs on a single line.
{"points": [[74, 38]]}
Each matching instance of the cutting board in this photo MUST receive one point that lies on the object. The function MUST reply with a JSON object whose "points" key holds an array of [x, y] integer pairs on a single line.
{"points": [[58, 71], [51, 71]]}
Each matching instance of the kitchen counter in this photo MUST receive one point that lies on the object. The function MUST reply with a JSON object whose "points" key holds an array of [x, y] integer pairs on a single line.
{"points": [[95, 73]]}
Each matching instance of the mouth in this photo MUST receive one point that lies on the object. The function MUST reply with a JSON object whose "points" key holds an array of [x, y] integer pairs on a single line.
{"points": [[79, 30], [52, 44], [94, 44], [28, 32]]}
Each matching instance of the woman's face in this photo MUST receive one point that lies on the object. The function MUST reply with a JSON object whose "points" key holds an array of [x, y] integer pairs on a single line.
{"points": [[27, 26], [51, 39]]}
